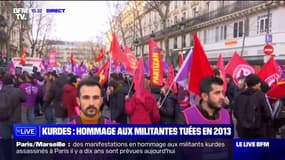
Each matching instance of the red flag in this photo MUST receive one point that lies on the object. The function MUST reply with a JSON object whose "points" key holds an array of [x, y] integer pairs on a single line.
{"points": [[277, 90], [201, 67], [132, 60], [103, 73], [270, 72], [238, 67], [72, 59], [221, 67], [170, 79], [117, 53], [155, 63], [139, 79], [100, 56], [23, 58], [52, 59], [180, 56]]}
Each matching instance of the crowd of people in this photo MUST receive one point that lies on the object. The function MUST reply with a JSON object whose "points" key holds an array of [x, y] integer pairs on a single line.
{"points": [[64, 98]]}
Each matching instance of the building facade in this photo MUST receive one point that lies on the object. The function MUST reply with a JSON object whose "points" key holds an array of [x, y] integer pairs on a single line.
{"points": [[12, 36], [82, 51], [222, 26]]}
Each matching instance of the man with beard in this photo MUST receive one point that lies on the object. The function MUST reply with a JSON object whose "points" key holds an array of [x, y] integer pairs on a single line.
{"points": [[90, 99], [210, 109]]}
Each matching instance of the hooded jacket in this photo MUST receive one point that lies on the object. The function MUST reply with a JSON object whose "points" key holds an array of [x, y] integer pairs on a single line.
{"points": [[69, 99]]}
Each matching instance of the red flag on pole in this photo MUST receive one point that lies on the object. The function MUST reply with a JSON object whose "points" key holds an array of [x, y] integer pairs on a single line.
{"points": [[23, 58], [103, 73], [277, 90], [155, 63], [52, 59], [132, 60], [139, 79], [100, 56], [170, 79], [201, 67], [238, 67], [117, 53], [270, 72], [221, 67]]}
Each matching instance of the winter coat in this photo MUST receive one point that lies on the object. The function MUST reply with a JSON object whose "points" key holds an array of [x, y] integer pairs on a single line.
{"points": [[31, 92], [117, 107], [69, 99], [16, 97], [242, 110], [167, 110], [142, 112]]}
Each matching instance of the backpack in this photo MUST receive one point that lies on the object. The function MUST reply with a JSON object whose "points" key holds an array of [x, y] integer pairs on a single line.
{"points": [[5, 106], [249, 113]]}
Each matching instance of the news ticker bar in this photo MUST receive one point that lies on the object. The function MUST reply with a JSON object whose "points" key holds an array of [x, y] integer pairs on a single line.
{"points": [[71, 131]]}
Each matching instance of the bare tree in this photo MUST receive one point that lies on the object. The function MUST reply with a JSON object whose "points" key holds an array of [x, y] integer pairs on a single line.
{"points": [[137, 17], [162, 8], [38, 30], [116, 19]]}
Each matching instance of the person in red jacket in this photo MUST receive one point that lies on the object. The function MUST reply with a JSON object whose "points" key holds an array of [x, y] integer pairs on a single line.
{"points": [[142, 112], [69, 97]]}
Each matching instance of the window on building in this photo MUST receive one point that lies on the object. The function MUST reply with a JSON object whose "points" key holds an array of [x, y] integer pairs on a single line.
{"points": [[208, 6], [205, 36], [194, 12], [175, 43], [183, 41], [223, 32], [175, 19], [238, 29], [217, 37], [183, 16], [264, 24]]}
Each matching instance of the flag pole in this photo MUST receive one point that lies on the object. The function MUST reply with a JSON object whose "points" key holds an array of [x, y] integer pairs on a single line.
{"points": [[163, 100], [110, 67]]}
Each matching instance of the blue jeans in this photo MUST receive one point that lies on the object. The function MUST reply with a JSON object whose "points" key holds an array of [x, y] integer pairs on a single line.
{"points": [[50, 115], [28, 114]]}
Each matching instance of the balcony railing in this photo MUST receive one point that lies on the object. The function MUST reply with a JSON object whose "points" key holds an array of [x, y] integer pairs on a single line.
{"points": [[220, 12]]}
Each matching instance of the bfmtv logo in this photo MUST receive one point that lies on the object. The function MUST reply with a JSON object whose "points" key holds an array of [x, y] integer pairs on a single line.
{"points": [[272, 79], [242, 70]]}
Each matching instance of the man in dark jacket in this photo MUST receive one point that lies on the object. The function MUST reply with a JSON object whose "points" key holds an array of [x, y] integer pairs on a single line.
{"points": [[167, 109], [14, 99], [116, 102], [251, 110]]}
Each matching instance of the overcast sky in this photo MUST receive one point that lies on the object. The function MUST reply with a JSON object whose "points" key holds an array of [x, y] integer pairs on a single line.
{"points": [[81, 21]]}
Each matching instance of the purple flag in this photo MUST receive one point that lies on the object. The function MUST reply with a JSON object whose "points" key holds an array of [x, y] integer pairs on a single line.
{"points": [[181, 77], [146, 67], [81, 69], [282, 76], [165, 66]]}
